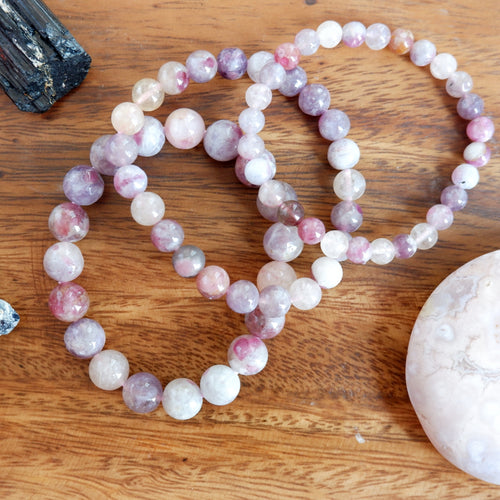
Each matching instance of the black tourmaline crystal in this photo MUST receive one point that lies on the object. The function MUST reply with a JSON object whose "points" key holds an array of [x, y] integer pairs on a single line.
{"points": [[40, 61]]}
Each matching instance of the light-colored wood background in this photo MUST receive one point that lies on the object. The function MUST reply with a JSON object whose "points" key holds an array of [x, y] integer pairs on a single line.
{"points": [[336, 374]]}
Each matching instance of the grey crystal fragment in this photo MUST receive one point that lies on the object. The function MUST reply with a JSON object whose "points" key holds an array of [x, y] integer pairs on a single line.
{"points": [[8, 318]]}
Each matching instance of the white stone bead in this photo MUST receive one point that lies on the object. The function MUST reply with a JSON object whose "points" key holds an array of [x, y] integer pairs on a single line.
{"points": [[275, 273], [349, 184], [378, 36], [343, 154], [422, 52], [327, 272], [63, 261], [182, 399], [329, 33], [443, 66], [220, 385], [305, 293], [108, 369], [147, 208], [383, 251], [256, 62], [458, 84], [151, 137], [148, 94], [258, 96], [168, 76], [247, 355], [466, 176], [127, 118], [258, 170], [335, 244], [251, 120], [424, 235]]}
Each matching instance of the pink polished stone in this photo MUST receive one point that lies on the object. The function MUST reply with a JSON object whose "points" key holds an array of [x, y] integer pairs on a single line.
{"points": [[477, 154], [453, 364], [184, 128], [251, 146], [454, 197], [273, 75], [405, 246], [401, 41], [311, 230], [130, 180], [63, 261], [262, 326], [121, 150], [84, 338], [440, 216], [98, 156], [221, 140], [347, 216], [242, 297], [68, 302], [83, 185], [359, 250], [247, 355], [142, 392], [201, 66], [212, 282], [69, 222], [167, 235], [480, 129], [307, 41], [173, 77], [288, 55]]}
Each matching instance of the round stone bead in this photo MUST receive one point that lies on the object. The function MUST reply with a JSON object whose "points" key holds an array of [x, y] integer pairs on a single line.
{"points": [[151, 138], [454, 197], [383, 251], [329, 34], [311, 230], [142, 392], [262, 326], [167, 235], [83, 185], [480, 129], [307, 41], [343, 154], [334, 124], [305, 293], [212, 282], [335, 244], [272, 74], [443, 66], [353, 34], [477, 154], [201, 66], [327, 272], [258, 96], [84, 338], [349, 184], [258, 171], [127, 118], [440, 216], [256, 62], [295, 81], [275, 273], [242, 297], [458, 84], [251, 121], [251, 146], [220, 385], [401, 41], [69, 222], [405, 246], [347, 216], [182, 399], [422, 52], [274, 300], [148, 94], [290, 213], [184, 128], [130, 180], [425, 235], [283, 243], [288, 55], [359, 251], [247, 355], [63, 261], [231, 63], [173, 77], [221, 140], [68, 302], [378, 36], [108, 370], [271, 195], [470, 106], [466, 176], [147, 208], [188, 261], [314, 99], [98, 156], [121, 150]]}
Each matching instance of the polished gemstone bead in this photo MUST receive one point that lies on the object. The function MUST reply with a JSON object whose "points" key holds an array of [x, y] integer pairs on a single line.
{"points": [[258, 96], [147, 208], [184, 128], [220, 385], [83, 185], [167, 235], [201, 66], [272, 74], [425, 235], [142, 392], [422, 52], [327, 272], [314, 99], [353, 34], [290, 213], [343, 154], [68, 302], [470, 106], [378, 36], [443, 66], [458, 84], [349, 184], [251, 146], [121, 150], [305, 293], [256, 62], [440, 216], [274, 300], [271, 195], [359, 251], [98, 156], [188, 261], [466, 176], [69, 222], [173, 77], [212, 282], [127, 118], [151, 138], [454, 197], [275, 273], [311, 230], [259, 170], [108, 370], [480, 129], [383, 251], [130, 180], [335, 244], [307, 41], [477, 154], [221, 140], [148, 94], [84, 338], [9, 318], [334, 124], [401, 41], [231, 63], [247, 355], [295, 81], [329, 34], [239, 171], [282, 242], [347, 216], [262, 326], [63, 261], [405, 246], [288, 55], [182, 399], [242, 296]]}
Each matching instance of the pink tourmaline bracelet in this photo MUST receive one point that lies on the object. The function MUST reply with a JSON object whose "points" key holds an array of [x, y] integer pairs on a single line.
{"points": [[278, 285]]}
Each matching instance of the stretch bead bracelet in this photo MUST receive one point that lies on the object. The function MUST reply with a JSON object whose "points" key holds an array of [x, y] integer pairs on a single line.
{"points": [[277, 282]]}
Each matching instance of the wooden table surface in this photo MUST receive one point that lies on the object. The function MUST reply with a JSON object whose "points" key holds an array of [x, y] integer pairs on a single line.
{"points": [[329, 417]]}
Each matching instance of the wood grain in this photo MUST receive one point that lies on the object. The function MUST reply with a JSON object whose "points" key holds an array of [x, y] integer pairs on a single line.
{"points": [[329, 417]]}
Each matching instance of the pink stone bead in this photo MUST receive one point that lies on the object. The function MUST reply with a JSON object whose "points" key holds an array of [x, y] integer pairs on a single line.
{"points": [[98, 156], [68, 302], [311, 230], [477, 154], [329, 34], [470, 106], [401, 41], [353, 34], [63, 261], [275, 273], [405, 246], [130, 180], [288, 55], [290, 213], [69, 222], [201, 66], [335, 244], [454, 197], [84, 338], [121, 150], [231, 63], [258, 170], [443, 66], [221, 140], [188, 261], [283, 243], [343, 153], [109, 370], [151, 138], [83, 185], [127, 118], [147, 208], [334, 124], [274, 300], [148, 94], [347, 216], [458, 84], [167, 235], [359, 250], [262, 326], [440, 216], [251, 121], [184, 128], [173, 77], [273, 75], [480, 129], [242, 297], [142, 392], [212, 282], [247, 355]]}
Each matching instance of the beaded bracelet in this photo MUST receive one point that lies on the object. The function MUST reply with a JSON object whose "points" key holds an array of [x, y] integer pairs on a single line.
{"points": [[264, 311]]}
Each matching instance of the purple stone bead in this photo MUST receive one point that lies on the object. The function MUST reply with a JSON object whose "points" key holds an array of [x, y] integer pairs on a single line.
{"points": [[440, 216], [142, 392], [347, 216], [405, 246], [201, 66], [334, 124], [98, 156], [263, 327], [121, 150], [353, 34], [283, 243], [69, 222], [290, 213], [221, 140], [167, 235], [231, 63], [274, 301], [454, 197], [242, 297], [83, 185], [188, 261], [273, 75], [151, 138], [359, 251], [295, 81], [130, 180], [314, 99], [84, 338], [311, 230], [470, 106]]}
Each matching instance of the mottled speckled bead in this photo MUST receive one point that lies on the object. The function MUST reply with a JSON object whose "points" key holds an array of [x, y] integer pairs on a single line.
{"points": [[231, 63], [251, 146], [242, 297], [127, 118], [274, 300], [425, 235], [68, 302], [83, 185], [212, 282], [188, 261], [184, 128], [454, 197], [353, 34], [220, 385], [343, 154], [258, 96], [151, 138], [440, 216], [256, 62], [108, 370], [288, 55], [359, 251], [201, 66], [470, 106], [307, 41], [480, 129], [422, 52], [401, 41], [290, 213], [221, 140], [458, 84], [314, 99], [272, 74], [69, 222], [251, 121], [147, 208], [275, 273], [311, 230], [378, 36], [84, 338], [262, 326], [167, 235], [383, 251], [98, 156], [121, 150], [182, 399], [405, 246], [305, 293], [173, 77], [335, 244], [295, 81], [443, 66], [148, 94], [63, 261], [327, 272], [129, 181], [466, 176], [142, 392], [247, 355], [283, 243], [347, 216], [334, 124], [329, 34], [477, 154]]}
